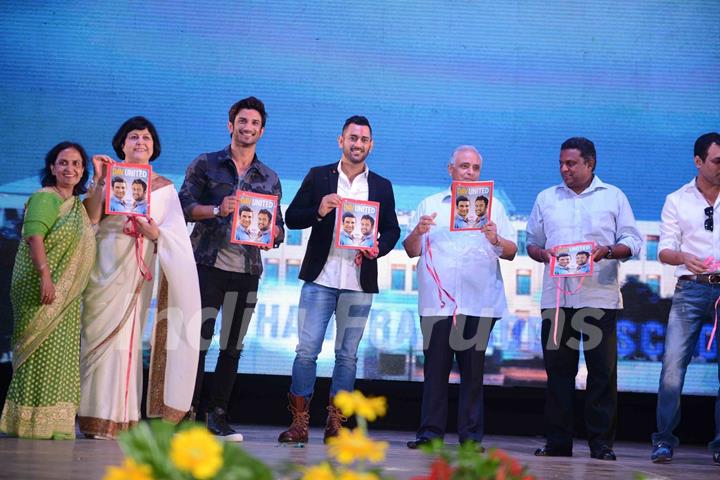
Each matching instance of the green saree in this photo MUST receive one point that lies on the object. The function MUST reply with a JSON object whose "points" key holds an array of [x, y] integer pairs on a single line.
{"points": [[44, 394]]}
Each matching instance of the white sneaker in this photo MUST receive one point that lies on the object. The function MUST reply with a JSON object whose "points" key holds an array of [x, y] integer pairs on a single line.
{"points": [[231, 437]]}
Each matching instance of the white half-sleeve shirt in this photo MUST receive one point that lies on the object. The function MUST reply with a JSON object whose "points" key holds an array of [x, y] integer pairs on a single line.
{"points": [[465, 261]]}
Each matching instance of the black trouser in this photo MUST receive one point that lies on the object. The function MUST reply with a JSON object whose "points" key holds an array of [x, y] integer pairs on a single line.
{"points": [[237, 294], [442, 341], [599, 336]]}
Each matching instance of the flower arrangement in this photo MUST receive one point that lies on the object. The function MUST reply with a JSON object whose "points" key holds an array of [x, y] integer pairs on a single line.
{"points": [[467, 463], [353, 450], [159, 450], [189, 451]]}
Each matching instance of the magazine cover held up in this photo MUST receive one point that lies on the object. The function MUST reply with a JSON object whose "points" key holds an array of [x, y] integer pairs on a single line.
{"points": [[471, 204], [356, 225], [572, 260], [128, 189], [254, 219]]}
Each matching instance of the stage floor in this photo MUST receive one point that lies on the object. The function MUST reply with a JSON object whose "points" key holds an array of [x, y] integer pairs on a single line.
{"points": [[87, 459]]}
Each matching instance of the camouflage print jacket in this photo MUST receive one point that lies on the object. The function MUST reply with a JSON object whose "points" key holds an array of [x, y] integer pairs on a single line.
{"points": [[210, 178]]}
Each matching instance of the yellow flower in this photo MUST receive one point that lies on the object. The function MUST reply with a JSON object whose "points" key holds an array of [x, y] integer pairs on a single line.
{"points": [[129, 471], [352, 475], [196, 451], [357, 403], [352, 446], [319, 472]]}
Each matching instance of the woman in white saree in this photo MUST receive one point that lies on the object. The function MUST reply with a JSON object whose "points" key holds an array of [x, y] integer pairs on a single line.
{"points": [[136, 257]]}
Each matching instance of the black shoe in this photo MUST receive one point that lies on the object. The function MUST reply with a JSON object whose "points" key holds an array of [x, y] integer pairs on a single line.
{"points": [[716, 457], [218, 425], [418, 442], [603, 453], [190, 415], [548, 451], [662, 453]]}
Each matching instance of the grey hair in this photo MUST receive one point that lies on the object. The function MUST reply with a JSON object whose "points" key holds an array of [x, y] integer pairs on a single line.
{"points": [[463, 148]]}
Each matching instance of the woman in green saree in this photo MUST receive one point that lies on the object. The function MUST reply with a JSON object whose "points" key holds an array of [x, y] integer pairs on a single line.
{"points": [[51, 271]]}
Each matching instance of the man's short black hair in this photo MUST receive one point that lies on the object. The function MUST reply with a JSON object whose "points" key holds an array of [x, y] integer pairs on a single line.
{"points": [[117, 180], [357, 120], [141, 183], [461, 198], [582, 252], [244, 208], [703, 142], [136, 123], [249, 103], [369, 218], [347, 215], [482, 198], [265, 211], [563, 255], [585, 146]]}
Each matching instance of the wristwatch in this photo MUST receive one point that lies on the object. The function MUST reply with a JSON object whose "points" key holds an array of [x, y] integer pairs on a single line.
{"points": [[610, 252], [216, 211]]}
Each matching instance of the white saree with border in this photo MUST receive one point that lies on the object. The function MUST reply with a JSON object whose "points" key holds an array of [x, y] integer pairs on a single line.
{"points": [[117, 305]]}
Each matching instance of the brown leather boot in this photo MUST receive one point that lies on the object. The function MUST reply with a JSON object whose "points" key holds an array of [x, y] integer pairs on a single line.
{"points": [[335, 420], [298, 431]]}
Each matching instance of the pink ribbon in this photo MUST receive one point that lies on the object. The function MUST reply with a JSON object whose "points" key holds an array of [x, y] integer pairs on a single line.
{"points": [[558, 291], [129, 366], [711, 265], [433, 273], [130, 228], [712, 333]]}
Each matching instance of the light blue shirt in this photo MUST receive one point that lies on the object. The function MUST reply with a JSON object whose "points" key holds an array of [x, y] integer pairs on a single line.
{"points": [[601, 214], [346, 239], [140, 207], [367, 241], [560, 270], [264, 236], [481, 222], [117, 205], [583, 268], [243, 235], [461, 222]]}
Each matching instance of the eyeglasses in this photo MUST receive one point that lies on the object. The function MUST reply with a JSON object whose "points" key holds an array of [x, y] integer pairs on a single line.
{"points": [[709, 224]]}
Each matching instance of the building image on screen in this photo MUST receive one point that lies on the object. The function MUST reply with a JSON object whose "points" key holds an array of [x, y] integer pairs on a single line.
{"points": [[512, 78]]}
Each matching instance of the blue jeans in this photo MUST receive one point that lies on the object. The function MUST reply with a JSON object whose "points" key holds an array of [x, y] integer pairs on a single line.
{"points": [[692, 306], [317, 305]]}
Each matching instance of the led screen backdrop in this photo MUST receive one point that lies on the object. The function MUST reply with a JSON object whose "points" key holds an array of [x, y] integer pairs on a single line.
{"points": [[641, 79]]}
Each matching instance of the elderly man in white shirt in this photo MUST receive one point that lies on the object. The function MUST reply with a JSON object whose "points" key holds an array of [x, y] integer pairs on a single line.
{"points": [[468, 270], [582, 209], [689, 236]]}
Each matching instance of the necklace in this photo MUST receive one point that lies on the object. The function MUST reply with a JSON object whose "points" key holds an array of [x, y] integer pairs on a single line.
{"points": [[57, 190]]}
